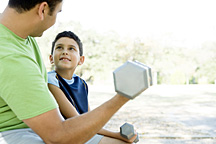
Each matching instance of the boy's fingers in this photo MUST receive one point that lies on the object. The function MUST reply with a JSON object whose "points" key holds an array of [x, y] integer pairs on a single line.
{"points": [[133, 138]]}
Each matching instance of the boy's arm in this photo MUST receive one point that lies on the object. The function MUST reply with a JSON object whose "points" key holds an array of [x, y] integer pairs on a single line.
{"points": [[112, 134], [66, 108], [52, 128], [115, 135]]}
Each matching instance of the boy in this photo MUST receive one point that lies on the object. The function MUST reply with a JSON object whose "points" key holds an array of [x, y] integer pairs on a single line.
{"points": [[70, 91]]}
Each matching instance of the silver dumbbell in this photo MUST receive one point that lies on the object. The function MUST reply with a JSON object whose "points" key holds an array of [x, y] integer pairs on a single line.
{"points": [[132, 78], [127, 131]]}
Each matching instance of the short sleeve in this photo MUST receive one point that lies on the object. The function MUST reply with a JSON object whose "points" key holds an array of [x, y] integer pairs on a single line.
{"points": [[52, 78], [23, 87]]}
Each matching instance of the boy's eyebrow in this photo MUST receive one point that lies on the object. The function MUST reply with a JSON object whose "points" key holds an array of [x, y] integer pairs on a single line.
{"points": [[73, 46], [59, 44]]}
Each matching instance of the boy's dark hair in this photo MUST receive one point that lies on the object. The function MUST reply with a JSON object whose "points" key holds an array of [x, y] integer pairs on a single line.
{"points": [[71, 35], [26, 5]]}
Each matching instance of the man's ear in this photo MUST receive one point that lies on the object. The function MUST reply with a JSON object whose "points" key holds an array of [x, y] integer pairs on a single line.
{"points": [[82, 59], [51, 59], [42, 10]]}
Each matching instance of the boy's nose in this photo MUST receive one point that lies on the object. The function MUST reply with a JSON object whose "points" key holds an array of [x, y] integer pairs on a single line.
{"points": [[64, 52]]}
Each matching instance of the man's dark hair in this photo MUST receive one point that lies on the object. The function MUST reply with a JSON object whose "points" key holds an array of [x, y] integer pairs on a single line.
{"points": [[71, 35], [26, 5]]}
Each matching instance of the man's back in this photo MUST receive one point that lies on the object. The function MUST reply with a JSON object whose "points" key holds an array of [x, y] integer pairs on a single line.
{"points": [[21, 71]]}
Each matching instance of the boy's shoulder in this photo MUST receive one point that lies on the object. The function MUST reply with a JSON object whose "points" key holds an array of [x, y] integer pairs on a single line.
{"points": [[74, 75], [78, 77], [51, 73], [52, 78]]}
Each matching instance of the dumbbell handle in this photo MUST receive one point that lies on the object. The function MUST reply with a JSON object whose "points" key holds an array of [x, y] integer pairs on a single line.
{"points": [[137, 138]]}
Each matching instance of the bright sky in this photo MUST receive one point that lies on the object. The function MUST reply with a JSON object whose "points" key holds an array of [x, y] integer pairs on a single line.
{"points": [[187, 21]]}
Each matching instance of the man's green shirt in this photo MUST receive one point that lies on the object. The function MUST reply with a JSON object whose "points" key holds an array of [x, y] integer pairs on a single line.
{"points": [[23, 81]]}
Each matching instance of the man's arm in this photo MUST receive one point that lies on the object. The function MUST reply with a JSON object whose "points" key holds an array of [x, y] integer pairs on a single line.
{"points": [[68, 110], [52, 128]]}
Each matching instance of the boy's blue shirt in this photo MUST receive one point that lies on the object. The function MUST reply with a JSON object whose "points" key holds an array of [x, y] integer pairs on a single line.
{"points": [[76, 90]]}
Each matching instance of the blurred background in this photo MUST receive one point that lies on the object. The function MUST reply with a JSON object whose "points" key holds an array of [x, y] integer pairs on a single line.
{"points": [[176, 38]]}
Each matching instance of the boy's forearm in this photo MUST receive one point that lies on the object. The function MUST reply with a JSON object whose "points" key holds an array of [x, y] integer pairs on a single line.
{"points": [[109, 133]]}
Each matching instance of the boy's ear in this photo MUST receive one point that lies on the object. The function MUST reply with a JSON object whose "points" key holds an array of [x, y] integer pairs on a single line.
{"points": [[42, 10], [82, 59], [51, 59]]}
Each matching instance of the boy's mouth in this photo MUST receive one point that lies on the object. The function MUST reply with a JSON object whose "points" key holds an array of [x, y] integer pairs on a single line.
{"points": [[64, 58]]}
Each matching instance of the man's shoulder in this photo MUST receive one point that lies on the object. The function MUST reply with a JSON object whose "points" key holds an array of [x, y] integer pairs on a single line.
{"points": [[5, 33]]}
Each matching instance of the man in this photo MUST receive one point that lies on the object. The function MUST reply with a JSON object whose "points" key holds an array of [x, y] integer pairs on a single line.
{"points": [[25, 101]]}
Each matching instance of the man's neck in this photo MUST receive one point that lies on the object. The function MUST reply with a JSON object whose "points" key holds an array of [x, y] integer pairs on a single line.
{"points": [[16, 22]]}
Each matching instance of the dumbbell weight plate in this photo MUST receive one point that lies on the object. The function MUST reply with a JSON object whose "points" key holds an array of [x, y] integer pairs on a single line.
{"points": [[131, 79]]}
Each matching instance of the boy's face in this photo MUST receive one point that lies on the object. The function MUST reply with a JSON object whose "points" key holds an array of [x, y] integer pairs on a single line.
{"points": [[66, 54]]}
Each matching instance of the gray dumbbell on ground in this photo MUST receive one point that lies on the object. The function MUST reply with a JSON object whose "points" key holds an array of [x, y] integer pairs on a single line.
{"points": [[127, 131], [132, 78]]}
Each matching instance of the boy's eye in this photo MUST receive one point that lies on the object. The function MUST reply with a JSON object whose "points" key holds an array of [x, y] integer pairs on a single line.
{"points": [[71, 48], [58, 47]]}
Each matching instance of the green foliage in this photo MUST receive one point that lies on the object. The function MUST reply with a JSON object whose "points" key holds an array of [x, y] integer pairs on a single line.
{"points": [[105, 52]]}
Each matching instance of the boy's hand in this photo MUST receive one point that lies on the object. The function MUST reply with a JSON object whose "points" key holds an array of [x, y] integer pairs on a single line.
{"points": [[127, 131], [131, 140]]}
